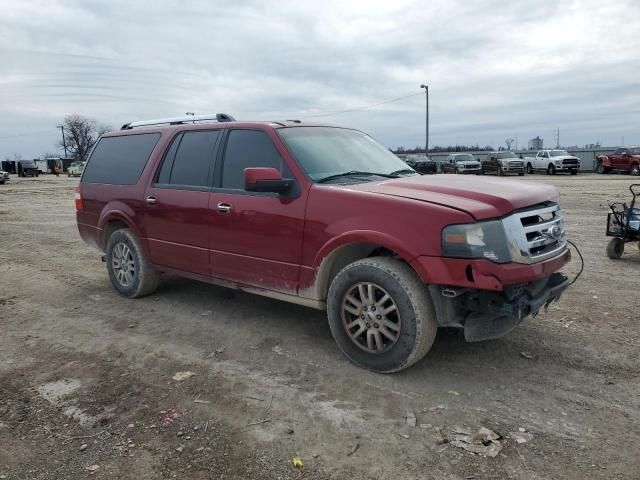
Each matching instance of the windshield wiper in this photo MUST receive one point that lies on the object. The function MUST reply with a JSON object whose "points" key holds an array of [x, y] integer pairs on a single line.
{"points": [[395, 173], [356, 172]]}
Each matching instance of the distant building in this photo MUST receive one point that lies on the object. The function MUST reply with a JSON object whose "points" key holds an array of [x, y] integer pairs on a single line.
{"points": [[535, 143]]}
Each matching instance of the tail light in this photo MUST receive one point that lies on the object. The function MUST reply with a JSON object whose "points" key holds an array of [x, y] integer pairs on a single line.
{"points": [[78, 198]]}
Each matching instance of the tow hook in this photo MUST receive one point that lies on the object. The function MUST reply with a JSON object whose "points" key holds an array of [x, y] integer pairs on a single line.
{"points": [[453, 292]]}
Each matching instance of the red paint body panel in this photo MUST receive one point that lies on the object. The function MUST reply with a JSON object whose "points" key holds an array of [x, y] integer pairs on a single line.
{"points": [[259, 242], [279, 244], [489, 198], [177, 228], [486, 275]]}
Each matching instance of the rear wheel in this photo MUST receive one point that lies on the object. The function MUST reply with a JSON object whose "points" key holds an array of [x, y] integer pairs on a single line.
{"points": [[551, 170], [381, 314], [130, 272], [635, 170], [615, 248], [529, 168]]}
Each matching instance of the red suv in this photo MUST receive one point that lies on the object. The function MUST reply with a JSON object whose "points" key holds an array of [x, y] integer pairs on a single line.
{"points": [[324, 217]]}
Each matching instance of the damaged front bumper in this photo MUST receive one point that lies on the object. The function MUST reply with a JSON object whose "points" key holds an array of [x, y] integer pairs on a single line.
{"points": [[484, 314]]}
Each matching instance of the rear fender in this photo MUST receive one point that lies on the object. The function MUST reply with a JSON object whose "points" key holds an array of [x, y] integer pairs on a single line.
{"points": [[121, 212]]}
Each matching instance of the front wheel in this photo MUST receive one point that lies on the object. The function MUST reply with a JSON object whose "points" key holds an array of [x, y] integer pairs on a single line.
{"points": [[574, 172], [500, 172], [615, 248], [381, 314], [130, 272], [521, 174], [551, 170], [529, 168]]}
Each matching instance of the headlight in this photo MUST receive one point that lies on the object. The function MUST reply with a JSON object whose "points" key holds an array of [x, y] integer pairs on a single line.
{"points": [[558, 162], [476, 240]]}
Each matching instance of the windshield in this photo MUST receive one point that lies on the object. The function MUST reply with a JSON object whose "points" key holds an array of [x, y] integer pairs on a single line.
{"points": [[326, 151], [558, 153], [635, 151], [502, 155], [464, 158], [27, 164]]}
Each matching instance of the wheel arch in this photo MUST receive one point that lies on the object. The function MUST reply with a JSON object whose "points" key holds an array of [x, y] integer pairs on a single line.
{"points": [[116, 219], [346, 249]]}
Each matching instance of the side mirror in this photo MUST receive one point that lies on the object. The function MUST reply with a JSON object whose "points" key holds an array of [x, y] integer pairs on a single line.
{"points": [[260, 179]]}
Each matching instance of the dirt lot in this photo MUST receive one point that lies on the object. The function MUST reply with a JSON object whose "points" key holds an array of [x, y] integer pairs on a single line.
{"points": [[87, 388]]}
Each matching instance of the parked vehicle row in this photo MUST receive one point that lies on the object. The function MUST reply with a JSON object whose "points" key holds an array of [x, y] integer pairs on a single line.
{"points": [[324, 217]]}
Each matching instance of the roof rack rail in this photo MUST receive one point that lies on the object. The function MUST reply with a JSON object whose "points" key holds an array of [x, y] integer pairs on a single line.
{"points": [[218, 117]]}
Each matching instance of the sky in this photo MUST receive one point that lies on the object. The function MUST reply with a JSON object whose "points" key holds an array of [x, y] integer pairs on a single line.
{"points": [[495, 69]]}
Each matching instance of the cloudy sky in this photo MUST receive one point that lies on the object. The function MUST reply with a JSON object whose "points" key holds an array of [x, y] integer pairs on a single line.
{"points": [[495, 69]]}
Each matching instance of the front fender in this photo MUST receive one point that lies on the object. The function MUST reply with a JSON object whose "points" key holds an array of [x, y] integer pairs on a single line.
{"points": [[365, 236]]}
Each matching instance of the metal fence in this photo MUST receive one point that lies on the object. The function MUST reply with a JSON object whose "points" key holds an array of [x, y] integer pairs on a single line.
{"points": [[587, 156]]}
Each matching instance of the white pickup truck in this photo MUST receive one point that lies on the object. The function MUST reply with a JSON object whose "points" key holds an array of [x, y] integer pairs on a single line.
{"points": [[553, 161]]}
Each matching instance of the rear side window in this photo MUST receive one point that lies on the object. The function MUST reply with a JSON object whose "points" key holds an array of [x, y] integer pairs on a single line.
{"points": [[245, 149], [189, 159], [120, 160]]}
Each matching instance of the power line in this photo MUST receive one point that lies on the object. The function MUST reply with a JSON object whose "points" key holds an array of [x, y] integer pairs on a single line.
{"points": [[26, 134], [339, 112]]}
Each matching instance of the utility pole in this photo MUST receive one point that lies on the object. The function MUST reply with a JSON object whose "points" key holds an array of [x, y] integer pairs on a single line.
{"points": [[426, 131], [558, 139], [64, 142]]}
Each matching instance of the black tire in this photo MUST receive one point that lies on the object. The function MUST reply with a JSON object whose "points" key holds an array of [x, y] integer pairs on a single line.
{"points": [[601, 169], [635, 170], [615, 248], [144, 279], [529, 169], [521, 174], [500, 172], [456, 171], [414, 309], [574, 172], [551, 169]]}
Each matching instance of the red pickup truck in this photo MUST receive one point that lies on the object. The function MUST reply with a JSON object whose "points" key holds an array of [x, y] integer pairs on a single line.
{"points": [[324, 217], [623, 159]]}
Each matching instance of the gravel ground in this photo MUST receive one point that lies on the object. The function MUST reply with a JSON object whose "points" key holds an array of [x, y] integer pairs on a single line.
{"points": [[87, 382]]}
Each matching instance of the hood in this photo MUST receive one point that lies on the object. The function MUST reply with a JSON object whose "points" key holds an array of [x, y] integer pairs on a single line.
{"points": [[565, 157], [482, 198]]}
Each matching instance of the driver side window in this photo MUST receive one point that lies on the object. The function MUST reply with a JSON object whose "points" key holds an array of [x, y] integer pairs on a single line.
{"points": [[247, 149]]}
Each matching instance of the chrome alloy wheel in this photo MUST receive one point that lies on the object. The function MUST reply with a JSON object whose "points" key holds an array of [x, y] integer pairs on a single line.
{"points": [[370, 317], [123, 264]]}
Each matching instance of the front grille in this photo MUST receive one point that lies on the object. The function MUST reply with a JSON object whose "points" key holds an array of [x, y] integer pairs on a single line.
{"points": [[536, 234], [516, 164], [570, 161], [471, 166]]}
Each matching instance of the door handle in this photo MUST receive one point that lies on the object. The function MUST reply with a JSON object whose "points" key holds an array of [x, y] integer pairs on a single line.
{"points": [[224, 208], [151, 200]]}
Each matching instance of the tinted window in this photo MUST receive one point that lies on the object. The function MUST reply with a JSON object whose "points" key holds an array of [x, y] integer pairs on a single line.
{"points": [[245, 149], [189, 159], [120, 160]]}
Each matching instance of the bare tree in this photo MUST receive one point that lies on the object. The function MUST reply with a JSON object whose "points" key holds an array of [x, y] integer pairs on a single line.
{"points": [[509, 142], [81, 134]]}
